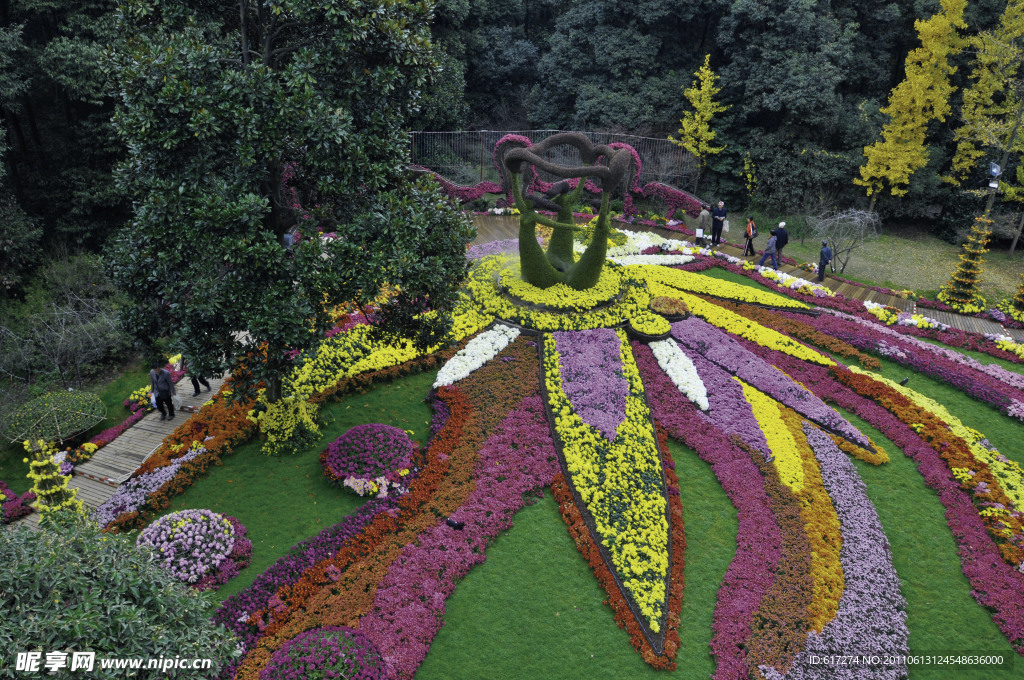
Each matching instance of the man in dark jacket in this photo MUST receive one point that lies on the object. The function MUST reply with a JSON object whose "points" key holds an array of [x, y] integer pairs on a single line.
{"points": [[823, 259], [781, 239], [718, 218], [162, 385]]}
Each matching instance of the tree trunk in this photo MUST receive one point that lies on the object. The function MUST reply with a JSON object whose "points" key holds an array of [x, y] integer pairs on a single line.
{"points": [[874, 199], [1016, 237]]}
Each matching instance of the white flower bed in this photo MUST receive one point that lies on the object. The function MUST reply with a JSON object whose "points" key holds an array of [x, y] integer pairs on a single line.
{"points": [[664, 260], [681, 371], [477, 352]]}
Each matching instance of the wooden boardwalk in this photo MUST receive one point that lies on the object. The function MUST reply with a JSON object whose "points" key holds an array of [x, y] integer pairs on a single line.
{"points": [[98, 478]]}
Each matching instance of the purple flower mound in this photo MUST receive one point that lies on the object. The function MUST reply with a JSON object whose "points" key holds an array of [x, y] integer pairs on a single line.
{"points": [[591, 367], [368, 451], [189, 544], [14, 506], [328, 652], [871, 619], [720, 348]]}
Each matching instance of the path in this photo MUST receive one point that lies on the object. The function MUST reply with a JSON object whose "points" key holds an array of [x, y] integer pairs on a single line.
{"points": [[98, 478]]}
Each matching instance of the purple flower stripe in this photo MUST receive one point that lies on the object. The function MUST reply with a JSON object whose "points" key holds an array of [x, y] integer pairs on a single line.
{"points": [[977, 384], [871, 618], [720, 348], [519, 457], [995, 584], [132, 494], [758, 540], [591, 367]]}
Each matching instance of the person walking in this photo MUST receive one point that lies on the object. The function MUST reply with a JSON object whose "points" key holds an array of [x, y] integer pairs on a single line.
{"points": [[770, 249], [751, 230], [823, 259], [718, 218], [196, 380], [162, 385], [781, 239]]}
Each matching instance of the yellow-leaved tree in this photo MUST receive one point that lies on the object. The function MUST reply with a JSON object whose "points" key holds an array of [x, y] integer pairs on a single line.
{"points": [[993, 107], [696, 135], [922, 96]]}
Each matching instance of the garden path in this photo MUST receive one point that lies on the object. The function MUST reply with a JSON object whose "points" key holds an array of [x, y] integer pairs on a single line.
{"points": [[98, 478]]}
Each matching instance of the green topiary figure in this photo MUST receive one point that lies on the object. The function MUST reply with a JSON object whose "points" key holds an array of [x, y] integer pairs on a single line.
{"points": [[961, 291], [559, 264]]}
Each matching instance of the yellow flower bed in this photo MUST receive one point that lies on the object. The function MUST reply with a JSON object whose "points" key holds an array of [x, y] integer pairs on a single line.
{"points": [[491, 303], [1009, 474], [785, 457], [649, 323], [705, 285], [561, 296], [604, 473]]}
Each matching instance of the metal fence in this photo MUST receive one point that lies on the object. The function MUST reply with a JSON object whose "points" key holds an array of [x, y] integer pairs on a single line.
{"points": [[468, 157]]}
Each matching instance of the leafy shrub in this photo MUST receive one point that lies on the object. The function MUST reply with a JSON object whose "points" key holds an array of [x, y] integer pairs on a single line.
{"points": [[328, 652], [73, 587]]}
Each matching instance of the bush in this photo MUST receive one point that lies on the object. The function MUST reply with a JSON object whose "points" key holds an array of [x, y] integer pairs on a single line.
{"points": [[72, 587], [328, 652]]}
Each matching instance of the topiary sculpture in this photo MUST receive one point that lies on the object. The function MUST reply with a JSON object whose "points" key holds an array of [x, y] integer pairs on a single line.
{"points": [[559, 263]]}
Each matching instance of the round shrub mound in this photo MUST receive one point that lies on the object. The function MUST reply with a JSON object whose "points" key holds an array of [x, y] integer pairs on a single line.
{"points": [[198, 547], [369, 459], [328, 652], [55, 416]]}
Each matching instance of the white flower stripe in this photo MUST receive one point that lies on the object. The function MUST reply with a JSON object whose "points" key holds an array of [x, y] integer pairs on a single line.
{"points": [[476, 353], [680, 369], [664, 260]]}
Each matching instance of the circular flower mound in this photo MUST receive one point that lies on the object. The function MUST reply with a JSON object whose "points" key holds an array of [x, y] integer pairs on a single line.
{"points": [[649, 326], [667, 306], [561, 297], [193, 545], [369, 459], [328, 652]]}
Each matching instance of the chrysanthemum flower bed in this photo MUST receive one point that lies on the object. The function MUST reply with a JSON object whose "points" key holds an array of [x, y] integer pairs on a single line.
{"points": [[372, 460], [200, 548]]}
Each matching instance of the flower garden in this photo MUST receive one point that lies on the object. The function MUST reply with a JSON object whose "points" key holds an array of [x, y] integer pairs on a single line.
{"points": [[738, 479]]}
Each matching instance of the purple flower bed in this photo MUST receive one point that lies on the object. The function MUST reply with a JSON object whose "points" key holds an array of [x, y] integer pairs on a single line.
{"points": [[722, 349], [327, 652], [198, 547], [977, 384], [234, 612], [131, 495], [995, 583], [758, 540], [518, 458], [591, 367], [14, 506], [871, 618], [368, 451]]}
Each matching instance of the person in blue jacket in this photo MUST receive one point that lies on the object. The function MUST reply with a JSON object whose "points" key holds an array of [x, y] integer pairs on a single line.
{"points": [[769, 249], [823, 259]]}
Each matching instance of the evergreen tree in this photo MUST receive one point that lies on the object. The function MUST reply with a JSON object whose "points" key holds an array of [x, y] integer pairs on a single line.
{"points": [[922, 97], [696, 135], [962, 291]]}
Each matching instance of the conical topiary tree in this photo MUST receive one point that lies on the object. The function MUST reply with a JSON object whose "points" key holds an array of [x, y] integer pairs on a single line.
{"points": [[48, 484], [961, 292]]}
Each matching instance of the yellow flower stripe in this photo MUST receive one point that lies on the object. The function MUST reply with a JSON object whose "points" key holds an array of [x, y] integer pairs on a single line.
{"points": [[1009, 474], [484, 291], [704, 285], [607, 474], [731, 322], [823, 529], [785, 456]]}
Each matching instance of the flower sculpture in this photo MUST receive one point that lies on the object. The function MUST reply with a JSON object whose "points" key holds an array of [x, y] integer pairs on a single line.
{"points": [[583, 395]]}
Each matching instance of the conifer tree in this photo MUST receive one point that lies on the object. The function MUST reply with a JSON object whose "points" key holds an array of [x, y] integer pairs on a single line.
{"points": [[922, 96], [962, 292], [48, 484], [696, 135]]}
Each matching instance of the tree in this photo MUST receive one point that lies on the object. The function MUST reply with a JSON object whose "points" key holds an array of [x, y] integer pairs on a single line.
{"points": [[993, 106], [250, 121], [73, 587], [696, 135], [962, 291], [922, 96], [845, 232], [48, 484]]}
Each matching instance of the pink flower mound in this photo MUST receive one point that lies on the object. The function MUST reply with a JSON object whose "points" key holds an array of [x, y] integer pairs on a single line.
{"points": [[327, 652], [758, 539], [372, 450], [730, 354], [518, 458], [14, 506], [591, 366]]}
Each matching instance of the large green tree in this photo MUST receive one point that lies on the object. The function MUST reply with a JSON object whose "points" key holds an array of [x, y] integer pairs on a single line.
{"points": [[247, 121]]}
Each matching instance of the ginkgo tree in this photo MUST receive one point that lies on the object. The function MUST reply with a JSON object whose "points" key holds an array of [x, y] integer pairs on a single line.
{"points": [[696, 135], [922, 97]]}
